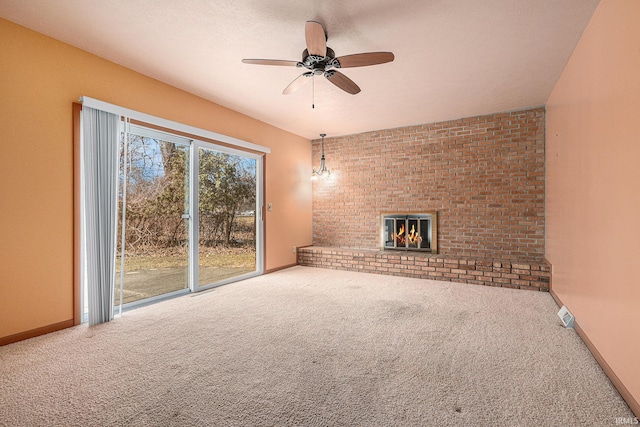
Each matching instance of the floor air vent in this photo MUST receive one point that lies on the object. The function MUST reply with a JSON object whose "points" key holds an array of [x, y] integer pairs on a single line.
{"points": [[566, 317]]}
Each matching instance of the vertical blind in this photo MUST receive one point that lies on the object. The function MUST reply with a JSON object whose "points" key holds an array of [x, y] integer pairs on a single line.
{"points": [[100, 132]]}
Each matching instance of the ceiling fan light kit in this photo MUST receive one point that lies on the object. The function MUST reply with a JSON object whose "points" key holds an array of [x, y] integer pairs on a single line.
{"points": [[319, 59]]}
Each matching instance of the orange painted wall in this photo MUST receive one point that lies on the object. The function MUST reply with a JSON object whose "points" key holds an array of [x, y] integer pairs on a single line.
{"points": [[39, 79], [593, 186]]}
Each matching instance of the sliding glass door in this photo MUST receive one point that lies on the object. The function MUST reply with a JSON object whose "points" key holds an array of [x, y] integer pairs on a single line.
{"points": [[227, 215], [189, 209], [154, 209], [189, 216]]}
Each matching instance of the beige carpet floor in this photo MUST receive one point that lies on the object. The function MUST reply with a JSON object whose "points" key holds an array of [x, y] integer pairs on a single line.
{"points": [[314, 347]]}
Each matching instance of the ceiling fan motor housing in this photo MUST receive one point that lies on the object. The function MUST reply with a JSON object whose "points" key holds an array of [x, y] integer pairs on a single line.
{"points": [[316, 63]]}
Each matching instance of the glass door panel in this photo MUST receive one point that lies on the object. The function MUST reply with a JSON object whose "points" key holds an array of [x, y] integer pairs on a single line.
{"points": [[227, 242], [154, 174]]}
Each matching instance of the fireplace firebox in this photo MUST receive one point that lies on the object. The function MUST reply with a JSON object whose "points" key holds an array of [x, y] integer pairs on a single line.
{"points": [[410, 231]]}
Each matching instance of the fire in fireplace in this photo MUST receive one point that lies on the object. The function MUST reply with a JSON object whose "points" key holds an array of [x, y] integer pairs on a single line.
{"points": [[410, 232]]}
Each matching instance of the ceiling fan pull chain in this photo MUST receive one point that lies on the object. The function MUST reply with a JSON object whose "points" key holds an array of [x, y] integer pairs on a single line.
{"points": [[313, 91]]}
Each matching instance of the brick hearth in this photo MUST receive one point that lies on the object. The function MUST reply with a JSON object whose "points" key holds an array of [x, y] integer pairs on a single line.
{"points": [[489, 272]]}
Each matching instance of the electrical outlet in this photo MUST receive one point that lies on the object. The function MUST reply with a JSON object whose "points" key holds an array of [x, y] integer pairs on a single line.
{"points": [[269, 207], [293, 249]]}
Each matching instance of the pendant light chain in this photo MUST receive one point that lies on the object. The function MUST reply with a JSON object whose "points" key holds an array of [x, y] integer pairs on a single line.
{"points": [[322, 170]]}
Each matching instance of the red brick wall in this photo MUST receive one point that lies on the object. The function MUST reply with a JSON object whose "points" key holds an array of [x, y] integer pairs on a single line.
{"points": [[483, 175]]}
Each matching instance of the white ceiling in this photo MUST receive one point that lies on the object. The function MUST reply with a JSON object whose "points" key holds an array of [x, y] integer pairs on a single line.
{"points": [[454, 58]]}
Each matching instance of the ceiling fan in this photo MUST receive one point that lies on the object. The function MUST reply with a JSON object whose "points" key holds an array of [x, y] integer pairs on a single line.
{"points": [[320, 59]]}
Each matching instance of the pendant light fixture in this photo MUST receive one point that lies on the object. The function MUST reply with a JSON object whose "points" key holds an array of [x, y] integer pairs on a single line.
{"points": [[322, 170]]}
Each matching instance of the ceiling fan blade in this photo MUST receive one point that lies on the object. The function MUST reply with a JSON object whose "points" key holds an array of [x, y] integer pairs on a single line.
{"points": [[300, 81], [342, 81], [364, 59], [316, 38], [271, 62]]}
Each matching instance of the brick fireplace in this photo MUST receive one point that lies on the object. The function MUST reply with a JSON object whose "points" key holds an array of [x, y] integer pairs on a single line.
{"points": [[484, 176]]}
